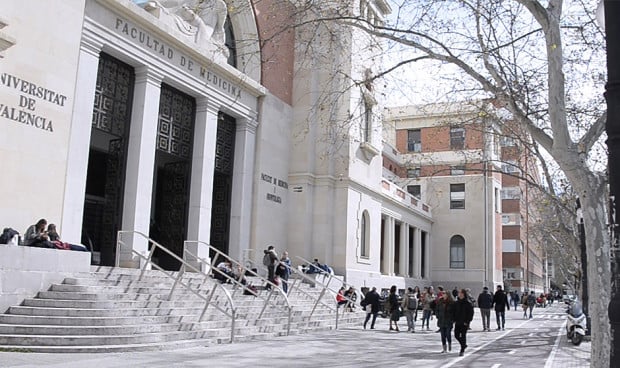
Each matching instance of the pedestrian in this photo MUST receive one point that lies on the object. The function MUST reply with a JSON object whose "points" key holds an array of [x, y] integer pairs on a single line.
{"points": [[500, 302], [270, 259], [427, 299], [485, 302], [284, 271], [372, 304], [524, 304], [531, 302], [394, 308], [516, 299], [455, 292], [463, 314], [445, 320], [440, 293], [410, 307], [340, 299]]}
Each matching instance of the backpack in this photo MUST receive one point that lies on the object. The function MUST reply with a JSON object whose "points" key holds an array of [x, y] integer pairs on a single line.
{"points": [[267, 259], [412, 303]]}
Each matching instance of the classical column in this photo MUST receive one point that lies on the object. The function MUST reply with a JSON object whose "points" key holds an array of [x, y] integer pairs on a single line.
{"points": [[403, 265], [79, 142], [384, 267], [140, 162], [203, 167], [417, 253], [391, 245], [242, 188]]}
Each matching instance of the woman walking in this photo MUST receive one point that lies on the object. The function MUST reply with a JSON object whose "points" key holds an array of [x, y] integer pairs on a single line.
{"points": [[394, 308], [463, 314], [427, 299], [445, 320]]}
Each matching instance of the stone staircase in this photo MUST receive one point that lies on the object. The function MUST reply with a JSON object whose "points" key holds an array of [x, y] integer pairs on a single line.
{"points": [[111, 310]]}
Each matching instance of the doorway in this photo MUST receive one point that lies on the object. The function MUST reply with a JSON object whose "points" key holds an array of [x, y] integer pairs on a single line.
{"points": [[172, 173], [222, 182], [105, 178]]}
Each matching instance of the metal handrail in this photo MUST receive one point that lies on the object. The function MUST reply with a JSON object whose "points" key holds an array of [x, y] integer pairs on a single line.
{"points": [[238, 284], [179, 276]]}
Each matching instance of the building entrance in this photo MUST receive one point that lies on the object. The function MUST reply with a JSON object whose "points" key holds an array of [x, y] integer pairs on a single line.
{"points": [[222, 182], [172, 173], [105, 178]]}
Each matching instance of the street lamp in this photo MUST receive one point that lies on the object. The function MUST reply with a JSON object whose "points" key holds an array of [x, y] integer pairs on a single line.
{"points": [[611, 11]]}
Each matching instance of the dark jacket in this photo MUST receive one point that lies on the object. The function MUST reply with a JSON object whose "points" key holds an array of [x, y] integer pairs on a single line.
{"points": [[500, 301], [463, 312], [393, 301], [485, 300], [372, 299], [444, 313]]}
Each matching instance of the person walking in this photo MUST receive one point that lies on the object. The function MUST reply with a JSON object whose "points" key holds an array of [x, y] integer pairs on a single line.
{"points": [[485, 302], [270, 259], [410, 307], [524, 304], [372, 304], [394, 308], [284, 271], [463, 314], [427, 311], [531, 302], [445, 320], [500, 302]]}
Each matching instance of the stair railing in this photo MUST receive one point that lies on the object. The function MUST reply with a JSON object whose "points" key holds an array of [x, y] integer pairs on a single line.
{"points": [[236, 281], [178, 276]]}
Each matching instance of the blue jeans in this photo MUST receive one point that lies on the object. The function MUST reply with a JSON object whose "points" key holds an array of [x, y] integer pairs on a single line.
{"points": [[446, 335], [501, 317], [426, 316]]}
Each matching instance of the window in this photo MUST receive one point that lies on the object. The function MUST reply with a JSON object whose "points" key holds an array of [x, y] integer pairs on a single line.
{"points": [[414, 190], [512, 246], [364, 236], [457, 170], [414, 140], [507, 142], [457, 196], [457, 138], [511, 193], [229, 42], [511, 167], [498, 201], [509, 219], [457, 252], [413, 173], [367, 122], [513, 274]]}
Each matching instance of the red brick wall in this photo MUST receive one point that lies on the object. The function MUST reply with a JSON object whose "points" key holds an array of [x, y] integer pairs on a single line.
{"points": [[274, 20], [394, 167], [511, 232], [401, 140], [511, 205]]}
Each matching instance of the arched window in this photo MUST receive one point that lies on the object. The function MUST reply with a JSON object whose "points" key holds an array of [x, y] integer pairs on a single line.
{"points": [[457, 252], [364, 235], [230, 42]]}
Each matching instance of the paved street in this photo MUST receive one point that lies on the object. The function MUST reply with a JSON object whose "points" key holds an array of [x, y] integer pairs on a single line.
{"points": [[539, 342]]}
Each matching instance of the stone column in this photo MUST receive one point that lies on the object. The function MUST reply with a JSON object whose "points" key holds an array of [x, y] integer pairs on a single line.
{"points": [[79, 142], [242, 188], [384, 267], [417, 253], [203, 167], [427, 261], [391, 248], [140, 163], [403, 265]]}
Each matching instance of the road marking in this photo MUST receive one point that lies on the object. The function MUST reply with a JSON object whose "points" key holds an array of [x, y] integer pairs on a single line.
{"points": [[474, 350], [496, 365], [511, 352], [523, 342], [532, 334], [549, 362]]}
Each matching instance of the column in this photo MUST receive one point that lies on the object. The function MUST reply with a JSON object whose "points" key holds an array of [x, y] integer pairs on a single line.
{"points": [[203, 167], [427, 261], [403, 265], [141, 162], [417, 252], [79, 142], [242, 187], [390, 250], [385, 246]]}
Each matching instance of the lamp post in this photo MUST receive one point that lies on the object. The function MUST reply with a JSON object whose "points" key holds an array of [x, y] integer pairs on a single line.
{"points": [[585, 300], [612, 95]]}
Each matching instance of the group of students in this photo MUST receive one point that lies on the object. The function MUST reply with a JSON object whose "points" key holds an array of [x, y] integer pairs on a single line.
{"points": [[40, 235]]}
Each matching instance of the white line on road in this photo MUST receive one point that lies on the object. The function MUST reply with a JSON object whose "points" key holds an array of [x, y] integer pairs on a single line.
{"points": [[497, 365], [549, 362], [448, 365], [511, 352], [523, 342]]}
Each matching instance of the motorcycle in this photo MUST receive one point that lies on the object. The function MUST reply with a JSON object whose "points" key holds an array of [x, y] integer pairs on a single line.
{"points": [[576, 323]]}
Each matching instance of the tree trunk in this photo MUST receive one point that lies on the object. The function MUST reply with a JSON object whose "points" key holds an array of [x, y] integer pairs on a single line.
{"points": [[593, 196]]}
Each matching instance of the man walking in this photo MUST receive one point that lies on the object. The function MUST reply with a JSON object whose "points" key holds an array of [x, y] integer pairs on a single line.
{"points": [[372, 303], [270, 259], [410, 307], [485, 301], [500, 301], [531, 302], [463, 314]]}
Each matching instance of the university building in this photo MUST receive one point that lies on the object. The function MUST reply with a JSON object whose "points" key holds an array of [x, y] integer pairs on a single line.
{"points": [[218, 122], [466, 164]]}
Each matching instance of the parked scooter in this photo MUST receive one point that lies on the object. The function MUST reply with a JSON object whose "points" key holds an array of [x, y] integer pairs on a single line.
{"points": [[576, 323]]}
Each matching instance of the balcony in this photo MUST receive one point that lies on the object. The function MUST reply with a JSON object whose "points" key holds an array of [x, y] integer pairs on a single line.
{"points": [[397, 194]]}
